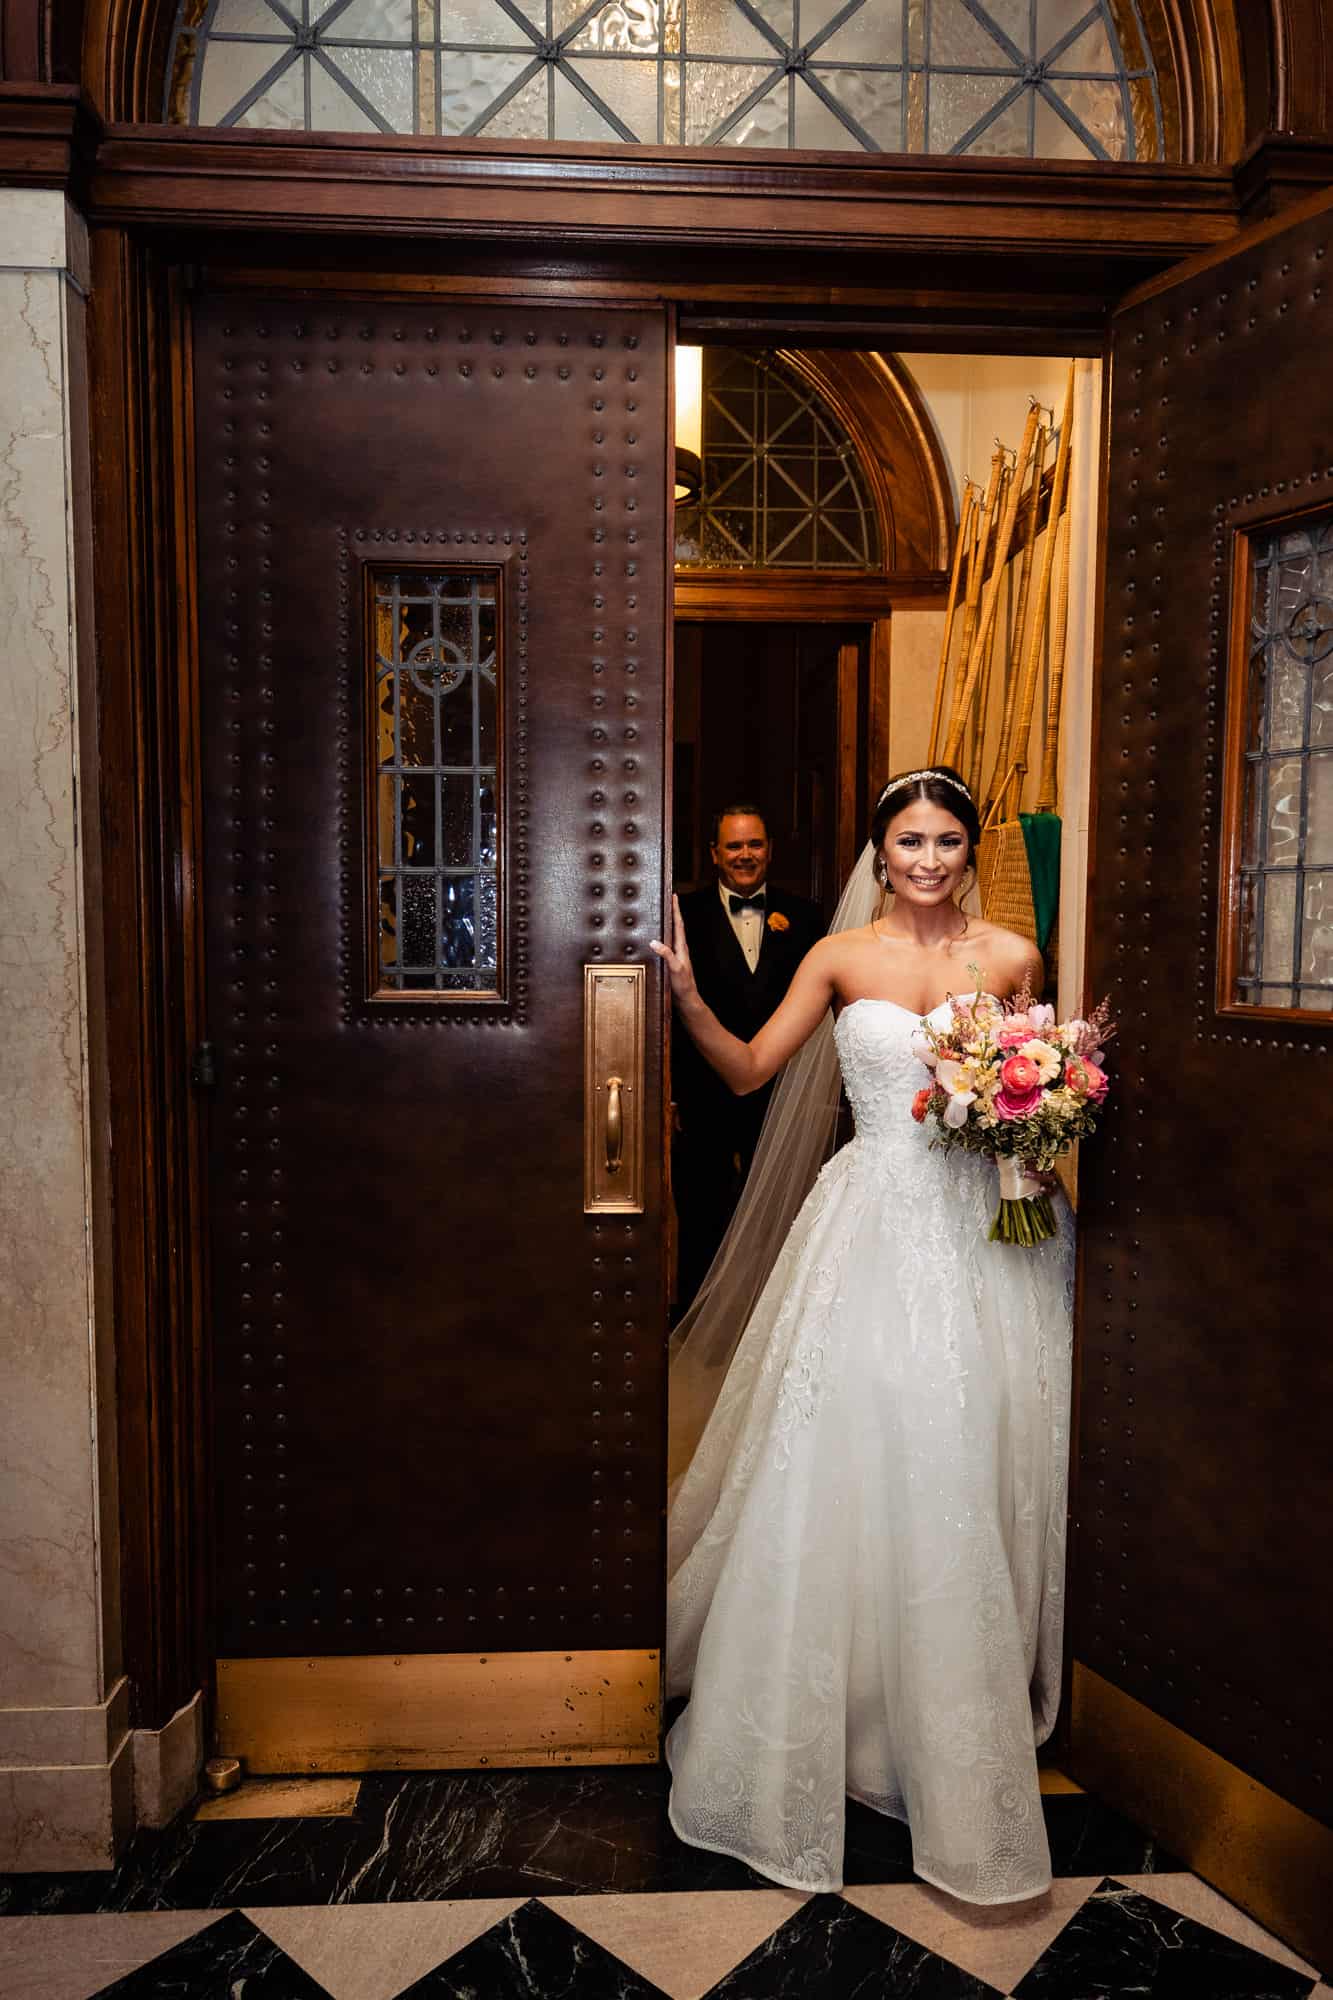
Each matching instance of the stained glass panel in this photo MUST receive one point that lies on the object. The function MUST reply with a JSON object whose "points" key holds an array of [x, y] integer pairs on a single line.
{"points": [[1043, 77], [436, 670], [1285, 956]]}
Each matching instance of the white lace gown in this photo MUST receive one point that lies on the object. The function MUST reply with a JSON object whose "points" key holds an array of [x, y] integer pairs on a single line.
{"points": [[870, 1599]]}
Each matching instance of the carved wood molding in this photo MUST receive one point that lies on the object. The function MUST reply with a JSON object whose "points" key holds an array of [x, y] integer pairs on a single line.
{"points": [[1301, 81], [48, 137], [805, 596], [431, 187], [1279, 169]]}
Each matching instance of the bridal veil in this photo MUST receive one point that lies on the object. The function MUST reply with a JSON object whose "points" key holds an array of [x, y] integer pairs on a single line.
{"points": [[795, 1140]]}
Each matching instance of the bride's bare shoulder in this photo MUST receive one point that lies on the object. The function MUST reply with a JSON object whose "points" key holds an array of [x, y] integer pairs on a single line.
{"points": [[1010, 955], [833, 955], [844, 945]]}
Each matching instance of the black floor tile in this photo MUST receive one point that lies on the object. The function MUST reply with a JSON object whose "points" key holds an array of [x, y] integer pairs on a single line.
{"points": [[1123, 1946], [877, 1848], [535, 1833], [411, 1838], [230, 1958], [431, 1836], [831, 1951], [1088, 1838], [533, 1955]]}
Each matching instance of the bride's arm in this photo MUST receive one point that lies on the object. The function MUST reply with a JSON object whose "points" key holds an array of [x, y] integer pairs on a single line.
{"points": [[744, 1066]]}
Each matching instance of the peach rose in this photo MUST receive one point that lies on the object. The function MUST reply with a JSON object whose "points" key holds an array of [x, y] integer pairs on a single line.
{"points": [[1083, 1077], [1019, 1075], [777, 922]]}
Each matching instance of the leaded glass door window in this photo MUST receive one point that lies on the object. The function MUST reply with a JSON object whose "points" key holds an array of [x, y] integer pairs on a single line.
{"points": [[436, 704], [1280, 945], [1044, 78], [782, 486]]}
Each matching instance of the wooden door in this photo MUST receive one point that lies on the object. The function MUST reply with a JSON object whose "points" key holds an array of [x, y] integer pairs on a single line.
{"points": [[431, 616], [1202, 1624]]}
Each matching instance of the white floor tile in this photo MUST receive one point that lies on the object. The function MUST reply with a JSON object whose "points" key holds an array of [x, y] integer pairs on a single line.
{"points": [[997, 1943], [372, 1951], [69, 1958], [682, 1943]]}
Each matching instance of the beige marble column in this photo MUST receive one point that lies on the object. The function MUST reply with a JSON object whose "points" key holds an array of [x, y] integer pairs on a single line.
{"points": [[66, 1757]]}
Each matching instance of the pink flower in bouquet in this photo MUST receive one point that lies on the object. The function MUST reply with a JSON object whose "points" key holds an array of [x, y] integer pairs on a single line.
{"points": [[924, 1049], [1041, 1016], [1015, 1032], [1009, 1104], [1085, 1079], [921, 1103], [1019, 1076]]}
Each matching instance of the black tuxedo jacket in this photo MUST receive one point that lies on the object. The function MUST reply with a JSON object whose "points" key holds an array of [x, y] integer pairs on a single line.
{"points": [[741, 999]]}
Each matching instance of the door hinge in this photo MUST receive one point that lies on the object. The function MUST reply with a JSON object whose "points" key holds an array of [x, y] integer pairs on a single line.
{"points": [[204, 1066]]}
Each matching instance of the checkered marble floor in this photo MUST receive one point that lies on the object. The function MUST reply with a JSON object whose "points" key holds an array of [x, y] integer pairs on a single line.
{"points": [[557, 1894]]}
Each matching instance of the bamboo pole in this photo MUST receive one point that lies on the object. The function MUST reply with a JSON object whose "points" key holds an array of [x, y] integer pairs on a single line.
{"points": [[1015, 657], [978, 718], [959, 557], [1059, 634], [983, 522], [1016, 751], [999, 558]]}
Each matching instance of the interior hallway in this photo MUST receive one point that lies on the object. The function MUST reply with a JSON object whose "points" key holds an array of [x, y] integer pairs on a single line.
{"points": [[492, 1885]]}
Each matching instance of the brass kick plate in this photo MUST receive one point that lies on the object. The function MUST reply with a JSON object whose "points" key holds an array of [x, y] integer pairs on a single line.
{"points": [[613, 1029], [440, 1711], [1258, 1849]]}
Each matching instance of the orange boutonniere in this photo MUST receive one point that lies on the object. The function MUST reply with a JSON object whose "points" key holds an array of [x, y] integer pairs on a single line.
{"points": [[777, 922]]}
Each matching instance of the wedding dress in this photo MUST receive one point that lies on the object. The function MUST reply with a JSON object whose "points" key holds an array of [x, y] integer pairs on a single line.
{"points": [[868, 1545]]}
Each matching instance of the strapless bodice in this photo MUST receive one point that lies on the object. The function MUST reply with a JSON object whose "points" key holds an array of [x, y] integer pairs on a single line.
{"points": [[880, 1069]]}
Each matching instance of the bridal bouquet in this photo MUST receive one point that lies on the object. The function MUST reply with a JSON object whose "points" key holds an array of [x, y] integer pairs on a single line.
{"points": [[1013, 1083]]}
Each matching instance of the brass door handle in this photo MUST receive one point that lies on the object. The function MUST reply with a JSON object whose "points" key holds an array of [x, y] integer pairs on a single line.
{"points": [[614, 1098], [615, 1125]]}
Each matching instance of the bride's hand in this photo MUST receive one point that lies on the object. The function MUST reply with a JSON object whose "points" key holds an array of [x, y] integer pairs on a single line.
{"points": [[676, 956]]}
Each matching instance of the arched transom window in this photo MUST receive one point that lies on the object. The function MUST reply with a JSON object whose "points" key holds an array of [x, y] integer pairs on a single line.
{"points": [[782, 485], [1045, 78]]}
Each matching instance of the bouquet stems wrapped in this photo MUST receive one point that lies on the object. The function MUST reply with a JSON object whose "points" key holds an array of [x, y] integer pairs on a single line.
{"points": [[1024, 1215]]}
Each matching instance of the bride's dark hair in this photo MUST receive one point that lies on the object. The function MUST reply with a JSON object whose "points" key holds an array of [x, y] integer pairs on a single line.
{"points": [[943, 786]]}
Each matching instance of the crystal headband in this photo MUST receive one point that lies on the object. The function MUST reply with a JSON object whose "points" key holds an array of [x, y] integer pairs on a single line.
{"points": [[910, 778]]}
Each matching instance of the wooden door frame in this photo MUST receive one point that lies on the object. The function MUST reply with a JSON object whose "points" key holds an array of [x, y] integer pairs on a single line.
{"points": [[817, 250]]}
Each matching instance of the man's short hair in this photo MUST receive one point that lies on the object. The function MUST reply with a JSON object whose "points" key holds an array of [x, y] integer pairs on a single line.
{"points": [[730, 812]]}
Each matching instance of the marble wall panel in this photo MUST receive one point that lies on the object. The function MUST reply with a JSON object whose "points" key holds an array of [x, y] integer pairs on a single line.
{"points": [[56, 1470]]}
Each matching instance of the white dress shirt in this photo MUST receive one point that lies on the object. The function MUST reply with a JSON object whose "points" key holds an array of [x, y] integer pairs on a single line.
{"points": [[747, 924]]}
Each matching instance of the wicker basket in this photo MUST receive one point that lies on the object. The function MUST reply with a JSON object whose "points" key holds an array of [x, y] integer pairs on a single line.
{"points": [[1003, 879]]}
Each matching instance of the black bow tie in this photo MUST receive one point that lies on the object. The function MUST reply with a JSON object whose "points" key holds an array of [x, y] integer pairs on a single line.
{"points": [[735, 903]]}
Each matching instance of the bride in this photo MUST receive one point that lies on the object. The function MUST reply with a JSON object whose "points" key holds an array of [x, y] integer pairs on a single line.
{"points": [[867, 1545]]}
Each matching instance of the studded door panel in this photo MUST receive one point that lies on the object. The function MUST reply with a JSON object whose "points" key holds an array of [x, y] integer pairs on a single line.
{"points": [[1198, 1582], [438, 1387]]}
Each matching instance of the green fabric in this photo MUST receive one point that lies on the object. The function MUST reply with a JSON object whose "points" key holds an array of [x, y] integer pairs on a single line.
{"points": [[1041, 837]]}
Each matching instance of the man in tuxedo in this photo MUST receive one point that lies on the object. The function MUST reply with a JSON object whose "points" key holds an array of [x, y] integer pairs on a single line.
{"points": [[746, 938]]}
